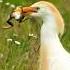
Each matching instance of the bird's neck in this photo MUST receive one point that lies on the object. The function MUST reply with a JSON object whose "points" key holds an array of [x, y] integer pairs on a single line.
{"points": [[50, 42], [51, 46]]}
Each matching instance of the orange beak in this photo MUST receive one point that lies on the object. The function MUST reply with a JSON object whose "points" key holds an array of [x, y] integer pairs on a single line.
{"points": [[27, 10]]}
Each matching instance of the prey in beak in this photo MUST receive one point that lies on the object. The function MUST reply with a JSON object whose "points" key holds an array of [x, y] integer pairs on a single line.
{"points": [[17, 17], [19, 14]]}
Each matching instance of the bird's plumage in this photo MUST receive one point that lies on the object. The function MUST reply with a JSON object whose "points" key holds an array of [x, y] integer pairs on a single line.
{"points": [[52, 54]]}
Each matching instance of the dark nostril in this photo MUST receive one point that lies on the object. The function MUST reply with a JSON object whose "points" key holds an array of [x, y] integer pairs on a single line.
{"points": [[24, 12]]}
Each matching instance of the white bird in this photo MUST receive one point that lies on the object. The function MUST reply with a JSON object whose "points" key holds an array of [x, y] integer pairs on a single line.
{"points": [[52, 54]]}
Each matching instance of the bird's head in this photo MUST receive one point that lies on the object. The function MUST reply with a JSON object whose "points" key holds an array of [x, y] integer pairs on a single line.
{"points": [[42, 9]]}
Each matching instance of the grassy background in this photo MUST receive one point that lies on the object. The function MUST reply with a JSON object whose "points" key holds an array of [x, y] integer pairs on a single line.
{"points": [[25, 55]]}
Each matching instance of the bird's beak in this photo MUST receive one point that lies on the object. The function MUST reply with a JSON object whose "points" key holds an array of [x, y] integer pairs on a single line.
{"points": [[28, 10]]}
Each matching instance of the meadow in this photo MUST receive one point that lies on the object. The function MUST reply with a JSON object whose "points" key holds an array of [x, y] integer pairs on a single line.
{"points": [[19, 45]]}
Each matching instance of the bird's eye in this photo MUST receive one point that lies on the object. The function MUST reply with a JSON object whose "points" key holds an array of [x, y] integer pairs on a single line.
{"points": [[38, 8]]}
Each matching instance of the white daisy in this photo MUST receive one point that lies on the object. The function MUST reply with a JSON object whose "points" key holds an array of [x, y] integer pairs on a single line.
{"points": [[7, 3], [1, 1], [9, 40], [1, 55], [17, 42], [31, 34], [12, 6], [13, 67]]}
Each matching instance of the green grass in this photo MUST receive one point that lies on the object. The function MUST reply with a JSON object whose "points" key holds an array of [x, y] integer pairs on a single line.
{"points": [[25, 55]]}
